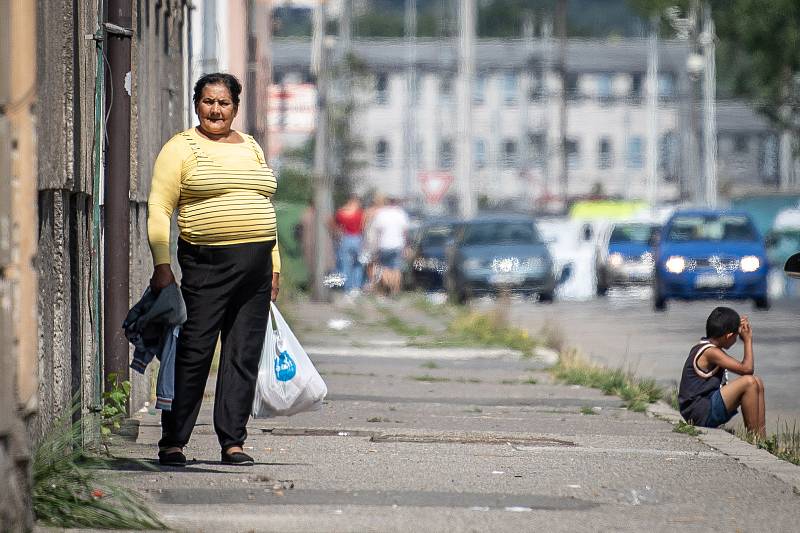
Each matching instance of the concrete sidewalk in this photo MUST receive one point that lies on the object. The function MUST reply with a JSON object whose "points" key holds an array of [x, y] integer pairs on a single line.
{"points": [[455, 439]]}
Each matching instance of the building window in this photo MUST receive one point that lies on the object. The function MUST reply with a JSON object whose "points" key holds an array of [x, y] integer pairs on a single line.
{"points": [[446, 89], [666, 85], [382, 89], [635, 155], [741, 145], [382, 154], [536, 91], [636, 87], [510, 153], [480, 153], [446, 154], [668, 156], [537, 148], [573, 91], [768, 159], [479, 89], [605, 154], [510, 83], [604, 90], [573, 153]]}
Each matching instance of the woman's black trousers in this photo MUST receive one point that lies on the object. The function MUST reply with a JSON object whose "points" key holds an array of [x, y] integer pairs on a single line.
{"points": [[227, 292]]}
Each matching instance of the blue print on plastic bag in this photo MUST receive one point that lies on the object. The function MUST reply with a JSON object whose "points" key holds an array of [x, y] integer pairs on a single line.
{"points": [[285, 368]]}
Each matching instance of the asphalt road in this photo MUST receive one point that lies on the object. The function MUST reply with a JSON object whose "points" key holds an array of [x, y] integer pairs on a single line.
{"points": [[623, 330]]}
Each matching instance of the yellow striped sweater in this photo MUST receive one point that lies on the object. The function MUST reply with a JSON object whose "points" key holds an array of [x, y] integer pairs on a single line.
{"points": [[221, 190]]}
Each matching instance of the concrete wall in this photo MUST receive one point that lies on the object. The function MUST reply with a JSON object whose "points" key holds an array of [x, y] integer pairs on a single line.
{"points": [[70, 359], [68, 356]]}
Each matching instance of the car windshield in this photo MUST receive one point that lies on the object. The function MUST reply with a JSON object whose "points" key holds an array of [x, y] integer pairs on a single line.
{"points": [[506, 232], [436, 235], [711, 228], [640, 233]]}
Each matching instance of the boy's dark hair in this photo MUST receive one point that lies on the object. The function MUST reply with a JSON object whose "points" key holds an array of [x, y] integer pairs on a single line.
{"points": [[228, 80], [721, 321]]}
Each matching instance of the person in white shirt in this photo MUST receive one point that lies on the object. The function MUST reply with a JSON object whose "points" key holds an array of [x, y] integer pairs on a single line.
{"points": [[390, 225]]}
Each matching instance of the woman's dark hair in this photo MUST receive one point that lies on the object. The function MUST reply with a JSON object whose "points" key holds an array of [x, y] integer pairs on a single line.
{"points": [[228, 80], [721, 321]]}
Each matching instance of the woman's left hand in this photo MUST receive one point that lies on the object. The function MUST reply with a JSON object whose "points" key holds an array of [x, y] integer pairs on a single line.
{"points": [[276, 276]]}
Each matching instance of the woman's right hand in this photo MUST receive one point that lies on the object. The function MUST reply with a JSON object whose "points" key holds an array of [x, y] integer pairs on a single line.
{"points": [[162, 276]]}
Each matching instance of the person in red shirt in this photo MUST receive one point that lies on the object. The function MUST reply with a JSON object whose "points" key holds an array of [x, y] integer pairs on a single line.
{"points": [[349, 224]]}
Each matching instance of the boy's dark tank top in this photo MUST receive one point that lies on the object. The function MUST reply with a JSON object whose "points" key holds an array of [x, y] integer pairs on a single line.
{"points": [[694, 395]]}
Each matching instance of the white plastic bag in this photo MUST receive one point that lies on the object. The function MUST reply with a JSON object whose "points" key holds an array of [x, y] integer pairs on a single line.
{"points": [[287, 382]]}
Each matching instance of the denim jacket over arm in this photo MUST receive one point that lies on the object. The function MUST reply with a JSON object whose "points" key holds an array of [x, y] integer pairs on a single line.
{"points": [[152, 327]]}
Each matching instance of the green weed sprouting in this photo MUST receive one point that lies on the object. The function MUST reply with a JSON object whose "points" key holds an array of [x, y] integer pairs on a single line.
{"points": [[686, 428], [784, 444], [636, 392], [70, 490], [427, 378], [115, 403]]}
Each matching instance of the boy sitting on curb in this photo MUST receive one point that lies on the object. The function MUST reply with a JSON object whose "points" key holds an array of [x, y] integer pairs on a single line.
{"points": [[705, 397]]}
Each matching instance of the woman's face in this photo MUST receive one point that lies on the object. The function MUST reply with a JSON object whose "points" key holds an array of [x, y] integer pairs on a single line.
{"points": [[216, 109]]}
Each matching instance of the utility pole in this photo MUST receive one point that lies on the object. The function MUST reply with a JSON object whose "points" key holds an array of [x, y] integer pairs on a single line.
{"points": [[116, 216], [410, 122], [251, 86], [322, 186], [652, 115], [709, 108], [466, 72], [547, 67], [561, 25]]}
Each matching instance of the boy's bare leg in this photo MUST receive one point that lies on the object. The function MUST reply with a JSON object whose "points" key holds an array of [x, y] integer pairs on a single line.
{"points": [[745, 392], [762, 410]]}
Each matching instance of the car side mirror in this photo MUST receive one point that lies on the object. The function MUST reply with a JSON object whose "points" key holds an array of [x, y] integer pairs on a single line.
{"points": [[770, 241], [792, 266]]}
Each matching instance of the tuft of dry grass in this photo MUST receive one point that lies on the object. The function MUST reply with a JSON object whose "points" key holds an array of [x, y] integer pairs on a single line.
{"points": [[784, 444], [637, 392]]}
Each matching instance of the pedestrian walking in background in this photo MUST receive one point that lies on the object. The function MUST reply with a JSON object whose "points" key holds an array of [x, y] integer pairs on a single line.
{"points": [[349, 223], [369, 251], [218, 180], [390, 225]]}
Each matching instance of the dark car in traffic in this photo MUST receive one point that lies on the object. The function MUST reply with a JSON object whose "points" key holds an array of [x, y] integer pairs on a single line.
{"points": [[710, 254], [427, 254], [494, 253]]}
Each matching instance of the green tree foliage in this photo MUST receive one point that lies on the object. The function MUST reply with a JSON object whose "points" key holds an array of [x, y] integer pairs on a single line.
{"points": [[758, 52]]}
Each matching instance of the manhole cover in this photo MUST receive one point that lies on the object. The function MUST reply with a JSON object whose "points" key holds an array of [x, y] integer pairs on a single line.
{"points": [[316, 432], [472, 439]]}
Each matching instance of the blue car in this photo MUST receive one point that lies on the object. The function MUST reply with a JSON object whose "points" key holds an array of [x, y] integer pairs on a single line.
{"points": [[625, 255], [710, 254]]}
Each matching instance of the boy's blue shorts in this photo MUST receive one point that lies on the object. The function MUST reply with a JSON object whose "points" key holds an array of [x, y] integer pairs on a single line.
{"points": [[719, 414]]}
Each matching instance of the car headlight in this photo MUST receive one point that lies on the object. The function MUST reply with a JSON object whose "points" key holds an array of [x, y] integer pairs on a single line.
{"points": [[616, 259], [675, 264], [534, 264], [749, 263], [472, 263]]}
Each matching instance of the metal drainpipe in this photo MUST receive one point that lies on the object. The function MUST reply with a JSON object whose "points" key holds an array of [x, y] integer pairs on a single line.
{"points": [[116, 223], [97, 258]]}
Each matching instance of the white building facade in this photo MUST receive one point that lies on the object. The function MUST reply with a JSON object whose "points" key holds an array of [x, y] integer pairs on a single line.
{"points": [[407, 120]]}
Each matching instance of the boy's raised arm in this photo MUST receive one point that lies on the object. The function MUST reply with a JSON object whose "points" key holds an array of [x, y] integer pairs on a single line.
{"points": [[717, 356]]}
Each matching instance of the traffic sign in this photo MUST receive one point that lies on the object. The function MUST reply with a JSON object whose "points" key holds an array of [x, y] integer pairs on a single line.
{"points": [[435, 185]]}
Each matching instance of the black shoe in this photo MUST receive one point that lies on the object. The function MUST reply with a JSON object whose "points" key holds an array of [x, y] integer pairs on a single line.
{"points": [[171, 458], [237, 458]]}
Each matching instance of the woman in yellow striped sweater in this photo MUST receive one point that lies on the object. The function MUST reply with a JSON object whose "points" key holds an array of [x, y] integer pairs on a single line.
{"points": [[219, 182]]}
